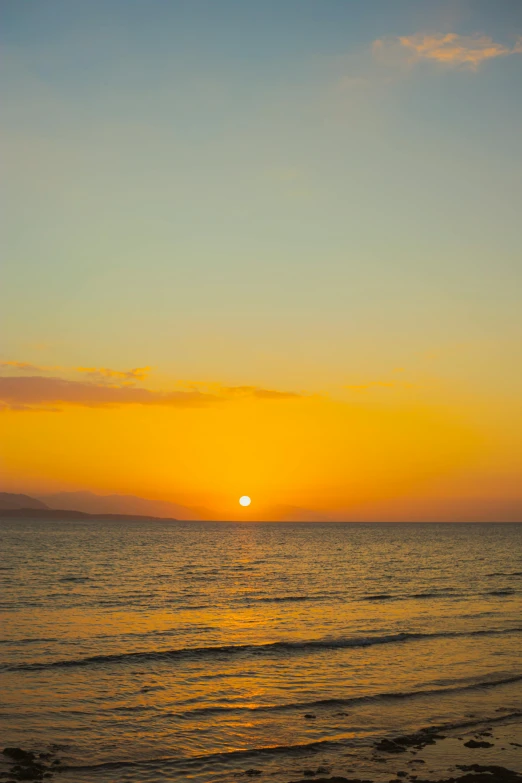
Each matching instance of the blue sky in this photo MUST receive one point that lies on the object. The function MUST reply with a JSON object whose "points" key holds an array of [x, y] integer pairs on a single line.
{"points": [[255, 176]]}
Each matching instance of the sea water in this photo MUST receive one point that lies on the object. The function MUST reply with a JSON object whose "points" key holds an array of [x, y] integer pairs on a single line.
{"points": [[158, 650]]}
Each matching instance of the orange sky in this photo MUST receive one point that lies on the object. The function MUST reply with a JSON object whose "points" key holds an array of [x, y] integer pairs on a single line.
{"points": [[266, 250], [390, 449]]}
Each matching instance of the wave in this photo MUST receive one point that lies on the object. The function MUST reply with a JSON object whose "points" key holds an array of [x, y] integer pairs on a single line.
{"points": [[259, 597], [505, 573], [182, 764], [34, 640], [212, 758], [285, 598], [448, 593], [254, 649], [350, 701]]}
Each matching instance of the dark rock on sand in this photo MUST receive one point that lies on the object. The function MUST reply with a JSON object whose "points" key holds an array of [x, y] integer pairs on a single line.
{"points": [[17, 754], [492, 769], [390, 746], [475, 773], [309, 716], [418, 740], [29, 766], [493, 775], [29, 772], [336, 779], [478, 744]]}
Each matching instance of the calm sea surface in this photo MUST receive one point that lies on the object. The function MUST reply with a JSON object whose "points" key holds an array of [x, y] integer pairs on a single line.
{"points": [[160, 650]]}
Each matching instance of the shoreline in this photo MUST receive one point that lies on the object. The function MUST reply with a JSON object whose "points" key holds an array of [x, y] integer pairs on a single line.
{"points": [[472, 752]]}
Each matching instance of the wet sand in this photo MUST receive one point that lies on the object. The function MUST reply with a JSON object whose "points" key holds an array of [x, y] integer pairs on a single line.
{"points": [[485, 754], [474, 754]]}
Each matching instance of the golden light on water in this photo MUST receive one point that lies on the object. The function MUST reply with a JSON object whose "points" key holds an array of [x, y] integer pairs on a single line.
{"points": [[244, 500]]}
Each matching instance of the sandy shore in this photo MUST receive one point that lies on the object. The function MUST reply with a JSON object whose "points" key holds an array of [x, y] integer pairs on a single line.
{"points": [[472, 753]]}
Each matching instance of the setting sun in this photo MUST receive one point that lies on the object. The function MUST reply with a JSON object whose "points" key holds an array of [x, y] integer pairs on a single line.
{"points": [[244, 500]]}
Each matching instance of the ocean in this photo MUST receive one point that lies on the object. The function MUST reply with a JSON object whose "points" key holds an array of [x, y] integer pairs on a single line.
{"points": [[157, 650]]}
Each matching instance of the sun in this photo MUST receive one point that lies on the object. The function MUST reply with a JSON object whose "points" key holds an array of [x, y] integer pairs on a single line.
{"points": [[244, 500]]}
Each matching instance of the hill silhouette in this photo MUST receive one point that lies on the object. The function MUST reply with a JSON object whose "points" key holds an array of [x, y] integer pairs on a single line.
{"points": [[11, 500], [91, 503], [59, 513]]}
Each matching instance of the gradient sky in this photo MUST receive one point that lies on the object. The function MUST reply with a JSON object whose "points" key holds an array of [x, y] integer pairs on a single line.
{"points": [[299, 220]]}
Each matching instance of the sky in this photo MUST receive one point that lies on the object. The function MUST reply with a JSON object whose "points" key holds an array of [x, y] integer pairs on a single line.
{"points": [[264, 248]]}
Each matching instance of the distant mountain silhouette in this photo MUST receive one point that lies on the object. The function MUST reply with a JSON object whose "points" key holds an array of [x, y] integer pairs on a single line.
{"points": [[133, 506], [91, 503], [296, 514], [10, 500], [57, 513]]}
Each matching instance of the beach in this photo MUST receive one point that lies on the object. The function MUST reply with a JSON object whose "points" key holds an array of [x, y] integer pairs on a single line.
{"points": [[472, 753]]}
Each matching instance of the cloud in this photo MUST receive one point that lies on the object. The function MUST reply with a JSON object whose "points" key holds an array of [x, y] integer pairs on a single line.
{"points": [[14, 408], [370, 385], [379, 385], [26, 367], [95, 374], [22, 366], [100, 374], [22, 393], [238, 392], [255, 391], [451, 49], [38, 391]]}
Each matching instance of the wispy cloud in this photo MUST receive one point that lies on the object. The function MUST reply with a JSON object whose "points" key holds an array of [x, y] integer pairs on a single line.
{"points": [[21, 393], [16, 408], [450, 49], [379, 385], [24, 366], [255, 391], [238, 392], [101, 374], [41, 391], [95, 374]]}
